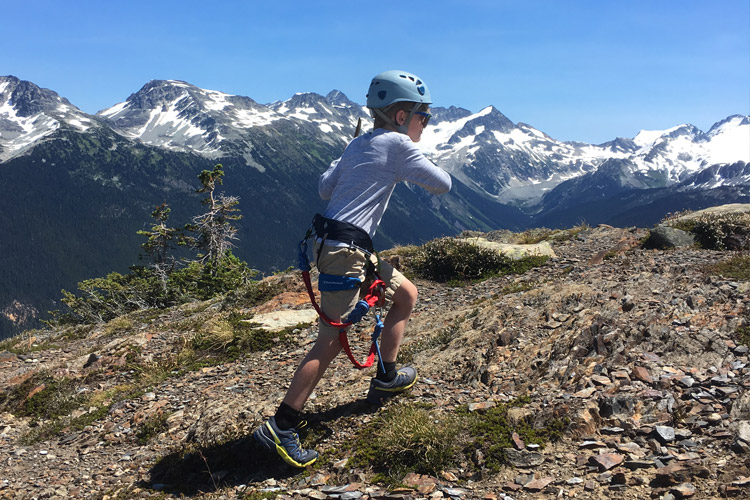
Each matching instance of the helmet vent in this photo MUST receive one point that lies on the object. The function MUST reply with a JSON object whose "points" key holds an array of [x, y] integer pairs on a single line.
{"points": [[382, 94]]}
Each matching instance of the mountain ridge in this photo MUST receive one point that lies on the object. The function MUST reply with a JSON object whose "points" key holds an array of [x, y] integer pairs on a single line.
{"points": [[527, 162], [63, 166]]}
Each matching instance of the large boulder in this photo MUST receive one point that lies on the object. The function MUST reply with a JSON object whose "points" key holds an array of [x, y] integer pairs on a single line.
{"points": [[515, 252], [663, 237]]}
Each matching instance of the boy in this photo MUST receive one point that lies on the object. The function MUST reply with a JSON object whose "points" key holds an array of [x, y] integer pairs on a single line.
{"points": [[358, 186]]}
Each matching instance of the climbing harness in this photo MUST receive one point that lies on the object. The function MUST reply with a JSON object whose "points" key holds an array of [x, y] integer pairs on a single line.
{"points": [[329, 228]]}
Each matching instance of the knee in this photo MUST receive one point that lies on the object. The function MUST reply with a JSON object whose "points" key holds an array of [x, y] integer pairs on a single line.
{"points": [[406, 295]]}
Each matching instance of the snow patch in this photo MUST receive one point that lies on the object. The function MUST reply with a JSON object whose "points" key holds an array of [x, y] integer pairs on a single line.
{"points": [[647, 138], [114, 110], [246, 118], [729, 145]]}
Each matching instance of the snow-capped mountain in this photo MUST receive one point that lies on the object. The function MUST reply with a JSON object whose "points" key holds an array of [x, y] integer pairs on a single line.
{"points": [[518, 164], [511, 163], [333, 114], [29, 113], [176, 115]]}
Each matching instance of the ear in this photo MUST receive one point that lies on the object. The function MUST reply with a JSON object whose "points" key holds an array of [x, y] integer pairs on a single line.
{"points": [[401, 117]]}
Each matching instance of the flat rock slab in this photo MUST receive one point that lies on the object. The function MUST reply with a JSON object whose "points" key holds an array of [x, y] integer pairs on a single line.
{"points": [[607, 461], [523, 458], [539, 484], [515, 252], [280, 320], [730, 208]]}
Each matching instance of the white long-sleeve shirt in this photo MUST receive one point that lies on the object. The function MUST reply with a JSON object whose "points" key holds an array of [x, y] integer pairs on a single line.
{"points": [[360, 183]]}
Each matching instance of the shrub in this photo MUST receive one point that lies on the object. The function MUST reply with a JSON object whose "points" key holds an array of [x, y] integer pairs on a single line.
{"points": [[452, 259], [103, 299], [204, 281], [723, 231], [151, 427], [407, 438]]}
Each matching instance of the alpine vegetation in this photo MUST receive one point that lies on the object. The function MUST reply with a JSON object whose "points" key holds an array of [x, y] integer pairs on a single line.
{"points": [[168, 280]]}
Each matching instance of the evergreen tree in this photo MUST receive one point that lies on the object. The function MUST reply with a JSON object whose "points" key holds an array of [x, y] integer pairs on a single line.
{"points": [[159, 243], [160, 235], [162, 284], [214, 229]]}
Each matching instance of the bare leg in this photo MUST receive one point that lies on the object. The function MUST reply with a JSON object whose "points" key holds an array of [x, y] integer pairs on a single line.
{"points": [[311, 370], [395, 321], [326, 348]]}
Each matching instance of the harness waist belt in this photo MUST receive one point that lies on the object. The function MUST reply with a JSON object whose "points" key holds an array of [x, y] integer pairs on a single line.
{"points": [[341, 231], [333, 283]]}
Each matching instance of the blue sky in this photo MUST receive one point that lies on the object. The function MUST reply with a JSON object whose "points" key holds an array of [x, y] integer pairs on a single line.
{"points": [[577, 70]]}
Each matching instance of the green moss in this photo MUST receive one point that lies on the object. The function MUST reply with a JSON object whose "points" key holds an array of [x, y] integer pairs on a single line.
{"points": [[26, 348], [52, 398], [234, 336], [491, 431], [52, 405], [60, 421], [55, 427], [736, 267], [77, 332], [537, 235], [118, 325], [253, 293], [412, 437]]}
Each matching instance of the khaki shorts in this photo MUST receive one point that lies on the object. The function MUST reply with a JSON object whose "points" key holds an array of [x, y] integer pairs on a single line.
{"points": [[345, 261]]}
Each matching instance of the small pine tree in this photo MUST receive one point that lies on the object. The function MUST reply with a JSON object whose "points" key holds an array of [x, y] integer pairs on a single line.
{"points": [[160, 236], [214, 229], [159, 243]]}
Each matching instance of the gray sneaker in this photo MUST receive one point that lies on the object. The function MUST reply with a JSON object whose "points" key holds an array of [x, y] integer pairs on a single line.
{"points": [[285, 443], [380, 391]]}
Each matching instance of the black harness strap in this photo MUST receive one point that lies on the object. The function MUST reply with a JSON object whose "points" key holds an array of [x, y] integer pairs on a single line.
{"points": [[344, 232]]}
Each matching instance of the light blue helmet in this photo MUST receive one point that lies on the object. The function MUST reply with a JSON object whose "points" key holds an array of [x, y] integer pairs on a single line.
{"points": [[396, 86]]}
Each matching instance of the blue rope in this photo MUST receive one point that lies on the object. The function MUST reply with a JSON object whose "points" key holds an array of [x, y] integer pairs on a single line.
{"points": [[375, 334], [358, 312]]}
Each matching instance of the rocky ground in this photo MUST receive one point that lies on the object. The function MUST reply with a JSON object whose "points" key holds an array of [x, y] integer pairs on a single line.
{"points": [[637, 348]]}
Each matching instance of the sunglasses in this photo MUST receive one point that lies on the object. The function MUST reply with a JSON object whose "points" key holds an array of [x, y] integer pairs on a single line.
{"points": [[425, 117]]}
